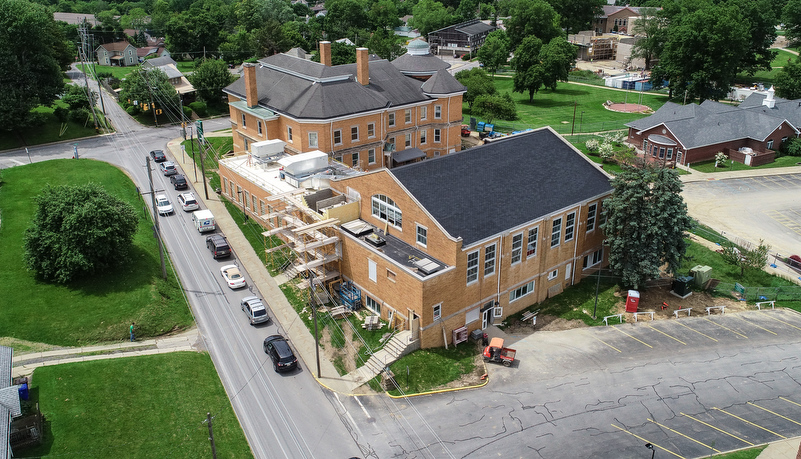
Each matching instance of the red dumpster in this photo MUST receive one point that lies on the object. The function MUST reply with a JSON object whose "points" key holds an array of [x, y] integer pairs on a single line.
{"points": [[632, 301]]}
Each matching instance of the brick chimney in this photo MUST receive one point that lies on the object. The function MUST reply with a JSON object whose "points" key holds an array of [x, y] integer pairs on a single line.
{"points": [[325, 53], [362, 69], [251, 88]]}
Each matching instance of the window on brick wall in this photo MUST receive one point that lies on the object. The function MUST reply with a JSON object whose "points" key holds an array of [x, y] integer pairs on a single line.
{"points": [[592, 210], [531, 248], [313, 142], [556, 232], [489, 260], [371, 130], [472, 267], [570, 226], [338, 137], [517, 248]]}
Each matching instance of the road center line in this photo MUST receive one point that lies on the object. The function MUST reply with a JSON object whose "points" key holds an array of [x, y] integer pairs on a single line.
{"points": [[751, 423], [719, 430], [646, 441], [679, 323], [685, 436], [643, 342]]}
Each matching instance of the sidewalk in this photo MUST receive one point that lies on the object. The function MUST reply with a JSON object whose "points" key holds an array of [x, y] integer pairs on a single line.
{"points": [[785, 449], [695, 176], [293, 327], [189, 340]]}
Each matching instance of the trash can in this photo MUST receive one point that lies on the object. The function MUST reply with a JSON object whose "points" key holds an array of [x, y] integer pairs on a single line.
{"points": [[632, 301], [23, 391], [476, 335]]}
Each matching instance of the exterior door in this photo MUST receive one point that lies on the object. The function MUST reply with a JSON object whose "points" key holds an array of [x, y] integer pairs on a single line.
{"points": [[486, 318]]}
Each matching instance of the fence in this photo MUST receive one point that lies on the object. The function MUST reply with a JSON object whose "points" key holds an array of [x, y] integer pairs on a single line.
{"points": [[785, 293]]}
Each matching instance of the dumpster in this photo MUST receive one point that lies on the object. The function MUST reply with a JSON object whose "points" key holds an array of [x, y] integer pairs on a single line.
{"points": [[682, 286], [632, 301], [23, 391]]}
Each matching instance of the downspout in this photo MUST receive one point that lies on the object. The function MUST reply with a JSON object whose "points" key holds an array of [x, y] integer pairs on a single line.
{"points": [[575, 249], [500, 270]]}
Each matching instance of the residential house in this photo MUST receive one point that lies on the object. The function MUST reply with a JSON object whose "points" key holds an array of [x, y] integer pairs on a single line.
{"points": [[367, 115], [616, 19], [167, 65], [687, 134], [459, 39], [120, 53], [76, 18], [158, 50]]}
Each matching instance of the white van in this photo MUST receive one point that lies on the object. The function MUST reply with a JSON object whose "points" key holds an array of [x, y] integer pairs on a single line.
{"points": [[204, 220]]}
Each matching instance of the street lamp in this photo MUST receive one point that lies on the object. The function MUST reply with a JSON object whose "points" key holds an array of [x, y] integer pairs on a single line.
{"points": [[651, 447]]}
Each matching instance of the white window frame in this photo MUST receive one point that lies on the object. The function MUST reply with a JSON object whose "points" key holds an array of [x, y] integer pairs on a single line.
{"points": [[391, 119], [423, 136], [244, 122], [521, 291], [770, 144], [472, 267], [531, 244], [517, 248], [372, 305], [337, 133], [556, 232], [570, 226], [421, 239], [437, 311], [407, 139], [594, 258], [592, 213], [553, 274], [370, 130], [437, 111], [385, 209], [372, 270], [424, 114], [371, 156], [289, 134], [261, 131], [314, 140], [354, 131], [490, 255], [407, 116]]}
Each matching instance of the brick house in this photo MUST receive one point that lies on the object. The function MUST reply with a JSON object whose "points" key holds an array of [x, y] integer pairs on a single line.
{"points": [[120, 53], [459, 39], [616, 19], [687, 134], [367, 115]]}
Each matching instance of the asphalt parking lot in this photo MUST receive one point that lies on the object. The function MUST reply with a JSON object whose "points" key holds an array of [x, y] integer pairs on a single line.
{"points": [[753, 208]]}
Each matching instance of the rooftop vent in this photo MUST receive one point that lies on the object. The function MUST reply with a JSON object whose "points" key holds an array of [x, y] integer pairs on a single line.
{"points": [[375, 239], [426, 266]]}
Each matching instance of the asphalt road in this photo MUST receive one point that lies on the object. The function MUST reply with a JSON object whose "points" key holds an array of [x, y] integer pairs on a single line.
{"points": [[282, 415]]}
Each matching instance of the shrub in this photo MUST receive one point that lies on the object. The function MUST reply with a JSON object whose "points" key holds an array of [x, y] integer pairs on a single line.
{"points": [[187, 113], [200, 108], [132, 110], [606, 151], [592, 145], [720, 158], [794, 147], [61, 114], [466, 57], [79, 115]]}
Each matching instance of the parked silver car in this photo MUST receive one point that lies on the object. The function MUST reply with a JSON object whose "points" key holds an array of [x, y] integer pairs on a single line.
{"points": [[255, 310]]}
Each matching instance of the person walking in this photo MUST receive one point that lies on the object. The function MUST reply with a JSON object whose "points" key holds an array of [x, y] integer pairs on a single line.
{"points": [[132, 331]]}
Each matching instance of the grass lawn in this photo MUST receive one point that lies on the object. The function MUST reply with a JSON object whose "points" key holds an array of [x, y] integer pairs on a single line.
{"points": [[135, 407], [430, 368], [98, 309], [764, 76], [556, 108], [750, 453], [51, 131], [185, 66], [709, 166], [117, 72]]}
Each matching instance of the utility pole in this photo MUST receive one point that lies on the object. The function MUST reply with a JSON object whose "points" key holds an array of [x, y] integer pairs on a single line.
{"points": [[192, 146], [183, 123], [211, 436], [85, 64], [150, 90], [203, 169], [575, 106], [94, 73], [156, 218]]}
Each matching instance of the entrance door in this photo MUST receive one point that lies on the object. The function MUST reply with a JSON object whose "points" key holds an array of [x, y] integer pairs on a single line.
{"points": [[486, 315]]}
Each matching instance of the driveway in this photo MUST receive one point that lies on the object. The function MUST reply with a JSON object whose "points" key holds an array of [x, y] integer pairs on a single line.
{"points": [[751, 208], [692, 387]]}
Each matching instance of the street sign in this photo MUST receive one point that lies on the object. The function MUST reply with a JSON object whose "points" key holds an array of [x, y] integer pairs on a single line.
{"points": [[199, 125]]}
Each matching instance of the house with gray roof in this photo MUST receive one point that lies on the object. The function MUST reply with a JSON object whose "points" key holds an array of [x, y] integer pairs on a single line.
{"points": [[120, 53], [177, 79], [687, 134], [475, 236], [459, 39]]}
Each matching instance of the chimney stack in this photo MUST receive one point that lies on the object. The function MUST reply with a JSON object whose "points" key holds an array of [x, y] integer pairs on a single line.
{"points": [[362, 69], [251, 88], [325, 53]]}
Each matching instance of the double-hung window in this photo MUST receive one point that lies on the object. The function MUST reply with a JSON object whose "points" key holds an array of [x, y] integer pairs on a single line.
{"points": [[472, 267], [370, 130], [517, 248], [338, 137], [407, 116], [437, 136], [312, 140], [592, 210], [489, 260], [422, 235], [437, 111], [570, 226], [424, 114], [391, 119], [556, 232], [289, 134], [531, 249], [354, 133]]}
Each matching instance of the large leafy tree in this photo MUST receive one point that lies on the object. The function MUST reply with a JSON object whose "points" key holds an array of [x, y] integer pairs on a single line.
{"points": [[209, 79], [791, 17], [33, 52], [577, 15], [345, 18], [77, 231], [467, 10], [430, 15], [384, 14], [650, 32], [788, 80], [532, 17], [383, 42], [551, 64], [495, 50], [495, 106], [646, 219], [144, 86], [477, 82]]}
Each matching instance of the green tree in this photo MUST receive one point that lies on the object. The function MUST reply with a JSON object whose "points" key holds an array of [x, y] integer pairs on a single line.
{"points": [[32, 54], [495, 106], [551, 65], [209, 79], [384, 14], [76, 97], [577, 15], [384, 43], [650, 31], [341, 53], [477, 82], [135, 19], [345, 16], [77, 231], [495, 50], [532, 17], [646, 219], [239, 47], [788, 80], [467, 10], [143, 86], [430, 15], [526, 63], [791, 17], [746, 258]]}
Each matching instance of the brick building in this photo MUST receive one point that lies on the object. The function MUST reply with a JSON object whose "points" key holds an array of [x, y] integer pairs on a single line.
{"points": [[692, 133], [367, 115]]}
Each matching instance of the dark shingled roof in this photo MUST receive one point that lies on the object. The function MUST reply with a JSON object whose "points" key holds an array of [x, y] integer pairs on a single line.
{"points": [[297, 87], [486, 190], [442, 83], [475, 29], [420, 64], [789, 110]]}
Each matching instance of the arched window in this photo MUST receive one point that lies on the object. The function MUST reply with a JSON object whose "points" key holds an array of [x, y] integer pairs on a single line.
{"points": [[386, 210]]}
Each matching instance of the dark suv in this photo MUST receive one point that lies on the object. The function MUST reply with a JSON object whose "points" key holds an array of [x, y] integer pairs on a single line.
{"points": [[158, 156], [179, 182], [218, 246], [281, 354]]}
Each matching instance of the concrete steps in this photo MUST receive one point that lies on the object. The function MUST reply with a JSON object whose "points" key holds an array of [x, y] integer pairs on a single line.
{"points": [[398, 346]]}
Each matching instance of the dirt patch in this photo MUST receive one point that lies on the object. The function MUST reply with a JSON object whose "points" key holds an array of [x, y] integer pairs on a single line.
{"points": [[544, 323], [345, 355], [470, 379]]}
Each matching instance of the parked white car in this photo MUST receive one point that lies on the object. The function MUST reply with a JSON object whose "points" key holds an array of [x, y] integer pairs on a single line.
{"points": [[188, 202], [163, 204], [233, 277]]}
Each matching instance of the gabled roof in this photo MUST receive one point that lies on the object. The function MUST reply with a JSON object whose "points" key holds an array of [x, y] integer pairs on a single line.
{"points": [[713, 122], [789, 110], [116, 46], [443, 83], [612, 9], [471, 27], [305, 89], [159, 61], [481, 192]]}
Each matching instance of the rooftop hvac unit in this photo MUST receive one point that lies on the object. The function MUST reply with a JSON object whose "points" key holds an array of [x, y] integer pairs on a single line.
{"points": [[267, 148], [426, 266]]}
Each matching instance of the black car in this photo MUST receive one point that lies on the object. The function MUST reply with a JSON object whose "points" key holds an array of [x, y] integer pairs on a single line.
{"points": [[179, 182], [158, 156], [218, 246], [279, 351]]}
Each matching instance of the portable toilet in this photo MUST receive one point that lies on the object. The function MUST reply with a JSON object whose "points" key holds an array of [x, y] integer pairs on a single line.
{"points": [[632, 301]]}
